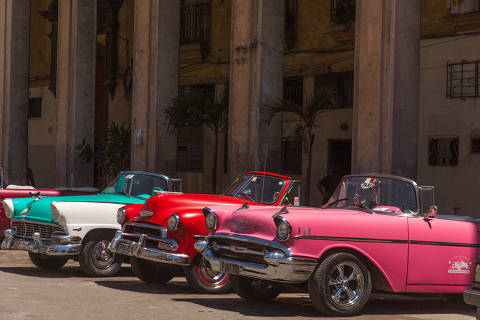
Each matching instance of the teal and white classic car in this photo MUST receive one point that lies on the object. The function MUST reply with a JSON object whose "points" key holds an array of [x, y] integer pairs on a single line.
{"points": [[55, 229]]}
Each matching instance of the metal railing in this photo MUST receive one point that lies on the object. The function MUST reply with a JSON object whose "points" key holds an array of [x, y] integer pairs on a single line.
{"points": [[195, 23]]}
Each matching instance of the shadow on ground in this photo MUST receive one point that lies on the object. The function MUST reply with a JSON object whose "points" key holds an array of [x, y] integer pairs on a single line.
{"points": [[171, 287], [301, 306], [65, 272]]}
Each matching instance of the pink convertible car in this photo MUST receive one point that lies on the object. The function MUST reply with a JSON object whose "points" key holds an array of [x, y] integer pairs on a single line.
{"points": [[378, 232]]}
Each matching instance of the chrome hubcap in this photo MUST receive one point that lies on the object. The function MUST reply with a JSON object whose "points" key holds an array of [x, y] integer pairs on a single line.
{"points": [[102, 258], [209, 276], [346, 284]]}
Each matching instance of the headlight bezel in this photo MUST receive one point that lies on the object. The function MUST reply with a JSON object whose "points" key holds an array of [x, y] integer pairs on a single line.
{"points": [[211, 219], [174, 219], [8, 207], [55, 213], [282, 226], [121, 215]]}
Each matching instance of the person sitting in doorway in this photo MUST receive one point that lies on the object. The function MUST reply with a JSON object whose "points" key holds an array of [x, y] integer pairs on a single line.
{"points": [[328, 184]]}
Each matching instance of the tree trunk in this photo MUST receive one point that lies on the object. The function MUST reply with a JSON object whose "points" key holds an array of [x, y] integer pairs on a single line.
{"points": [[214, 167], [308, 177]]}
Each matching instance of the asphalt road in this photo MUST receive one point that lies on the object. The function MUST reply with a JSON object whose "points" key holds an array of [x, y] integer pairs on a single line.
{"points": [[29, 293]]}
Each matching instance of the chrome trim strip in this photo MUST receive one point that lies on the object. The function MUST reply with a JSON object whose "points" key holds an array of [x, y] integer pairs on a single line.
{"points": [[276, 245], [328, 238]]}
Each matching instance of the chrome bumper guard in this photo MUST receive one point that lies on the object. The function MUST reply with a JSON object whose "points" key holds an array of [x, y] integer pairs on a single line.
{"points": [[280, 265], [138, 248], [57, 245]]}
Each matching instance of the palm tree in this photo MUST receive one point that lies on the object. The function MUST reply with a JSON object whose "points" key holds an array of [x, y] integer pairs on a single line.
{"points": [[196, 108], [308, 116]]}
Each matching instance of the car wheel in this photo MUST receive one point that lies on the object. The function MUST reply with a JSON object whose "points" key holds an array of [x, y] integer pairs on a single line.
{"points": [[253, 289], [151, 272], [96, 260], [341, 285], [202, 278], [47, 263]]}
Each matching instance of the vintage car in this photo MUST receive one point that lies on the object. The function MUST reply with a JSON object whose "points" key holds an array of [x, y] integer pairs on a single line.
{"points": [[160, 238], [472, 296], [55, 229], [377, 232], [30, 192]]}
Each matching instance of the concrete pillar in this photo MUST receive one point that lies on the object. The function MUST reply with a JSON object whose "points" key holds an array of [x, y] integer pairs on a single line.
{"points": [[155, 83], [256, 79], [385, 120], [14, 61], [77, 34]]}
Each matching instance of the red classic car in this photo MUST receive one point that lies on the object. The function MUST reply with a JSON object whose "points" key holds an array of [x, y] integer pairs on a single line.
{"points": [[18, 192], [160, 237], [378, 232]]}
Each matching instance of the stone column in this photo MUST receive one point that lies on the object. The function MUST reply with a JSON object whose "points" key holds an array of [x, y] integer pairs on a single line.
{"points": [[385, 120], [77, 34], [14, 61], [256, 79], [155, 83]]}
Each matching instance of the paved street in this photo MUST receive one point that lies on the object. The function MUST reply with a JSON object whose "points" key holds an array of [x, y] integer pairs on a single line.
{"points": [[28, 293]]}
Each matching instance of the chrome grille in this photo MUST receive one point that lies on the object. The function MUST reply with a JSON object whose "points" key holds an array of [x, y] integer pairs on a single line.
{"points": [[229, 249], [25, 229], [146, 228]]}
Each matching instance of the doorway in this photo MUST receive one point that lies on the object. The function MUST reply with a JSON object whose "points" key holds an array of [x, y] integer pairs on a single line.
{"points": [[340, 156]]}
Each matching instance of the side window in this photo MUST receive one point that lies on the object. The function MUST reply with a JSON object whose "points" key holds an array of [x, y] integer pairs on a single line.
{"points": [[292, 193]]}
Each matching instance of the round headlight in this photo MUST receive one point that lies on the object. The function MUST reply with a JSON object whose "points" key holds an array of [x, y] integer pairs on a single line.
{"points": [[173, 222], [210, 219], [283, 229], [121, 215], [55, 212], [8, 208]]}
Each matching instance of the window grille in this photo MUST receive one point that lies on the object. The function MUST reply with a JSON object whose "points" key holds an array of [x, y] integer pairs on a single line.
{"points": [[195, 22], [293, 90], [342, 12], [340, 84], [475, 145], [463, 80], [443, 151]]}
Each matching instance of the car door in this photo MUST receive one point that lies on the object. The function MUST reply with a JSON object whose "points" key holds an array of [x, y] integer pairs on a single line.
{"points": [[441, 251]]}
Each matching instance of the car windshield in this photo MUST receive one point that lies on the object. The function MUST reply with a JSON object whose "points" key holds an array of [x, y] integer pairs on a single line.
{"points": [[135, 184], [258, 188], [378, 194]]}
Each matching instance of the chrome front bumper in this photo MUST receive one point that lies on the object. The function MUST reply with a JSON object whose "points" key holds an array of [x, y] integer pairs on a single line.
{"points": [[57, 245], [138, 248], [279, 266]]}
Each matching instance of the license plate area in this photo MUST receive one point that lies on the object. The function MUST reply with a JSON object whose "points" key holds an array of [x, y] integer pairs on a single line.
{"points": [[123, 248], [229, 267], [20, 245]]}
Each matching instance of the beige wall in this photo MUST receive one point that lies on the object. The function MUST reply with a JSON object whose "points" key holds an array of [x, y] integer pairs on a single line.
{"points": [[441, 116]]}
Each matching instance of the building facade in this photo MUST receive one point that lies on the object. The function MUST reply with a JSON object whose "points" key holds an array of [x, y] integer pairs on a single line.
{"points": [[403, 75]]}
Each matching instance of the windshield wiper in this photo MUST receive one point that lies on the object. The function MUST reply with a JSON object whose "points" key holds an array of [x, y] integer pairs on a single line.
{"points": [[363, 205], [333, 202]]}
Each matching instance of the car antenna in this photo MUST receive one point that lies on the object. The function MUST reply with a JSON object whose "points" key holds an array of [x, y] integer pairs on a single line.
{"points": [[264, 170]]}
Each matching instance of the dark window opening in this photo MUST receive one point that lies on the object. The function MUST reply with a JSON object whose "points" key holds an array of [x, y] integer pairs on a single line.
{"points": [[342, 12], [443, 151], [292, 156], [293, 90], [35, 108], [340, 84], [475, 145], [463, 79], [194, 21], [190, 149], [291, 14]]}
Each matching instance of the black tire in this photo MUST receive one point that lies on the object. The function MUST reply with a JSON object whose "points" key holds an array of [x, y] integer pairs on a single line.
{"points": [[336, 276], [96, 260], [254, 290], [45, 262], [201, 278], [151, 272]]}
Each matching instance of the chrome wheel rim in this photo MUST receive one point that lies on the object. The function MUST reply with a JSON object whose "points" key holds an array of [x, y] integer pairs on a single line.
{"points": [[346, 284], [210, 277], [102, 258]]}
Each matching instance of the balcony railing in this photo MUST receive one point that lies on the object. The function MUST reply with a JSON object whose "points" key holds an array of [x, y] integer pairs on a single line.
{"points": [[195, 23]]}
